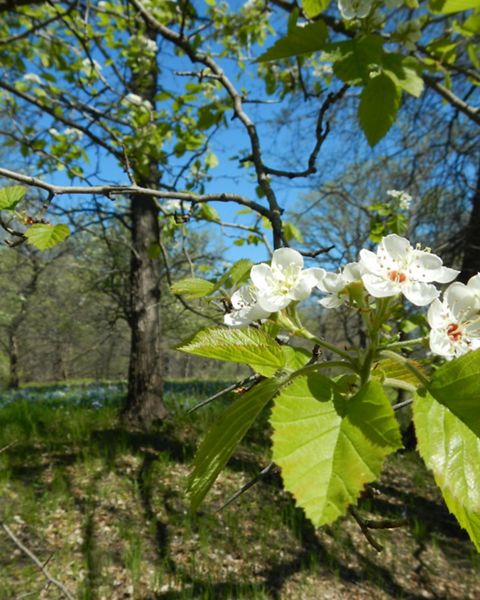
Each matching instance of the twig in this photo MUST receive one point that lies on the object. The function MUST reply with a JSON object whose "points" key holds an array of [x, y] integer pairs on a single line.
{"points": [[365, 530], [251, 379], [263, 473], [38, 562], [402, 404], [7, 447]]}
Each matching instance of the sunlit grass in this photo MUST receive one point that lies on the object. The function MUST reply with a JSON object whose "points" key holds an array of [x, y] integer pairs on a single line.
{"points": [[107, 508]]}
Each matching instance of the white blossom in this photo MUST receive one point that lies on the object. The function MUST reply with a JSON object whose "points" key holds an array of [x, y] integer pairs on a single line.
{"points": [[334, 284], [284, 281], [172, 205], [138, 101], [455, 322], [32, 78], [354, 9], [323, 70], [398, 268], [245, 307], [91, 66], [74, 132], [403, 199], [54, 132]]}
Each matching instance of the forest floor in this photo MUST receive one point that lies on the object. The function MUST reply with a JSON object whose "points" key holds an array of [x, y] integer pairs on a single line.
{"points": [[105, 509]]}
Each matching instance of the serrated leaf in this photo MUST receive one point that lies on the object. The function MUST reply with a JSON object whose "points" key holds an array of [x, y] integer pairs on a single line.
{"points": [[237, 274], [11, 196], [453, 6], [221, 441], [394, 369], [452, 451], [298, 41], [456, 385], [292, 232], [295, 358], [378, 108], [358, 57], [312, 8], [403, 71], [45, 236], [252, 347], [193, 287], [328, 447]]}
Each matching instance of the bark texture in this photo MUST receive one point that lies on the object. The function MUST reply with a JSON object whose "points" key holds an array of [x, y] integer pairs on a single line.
{"points": [[471, 255]]}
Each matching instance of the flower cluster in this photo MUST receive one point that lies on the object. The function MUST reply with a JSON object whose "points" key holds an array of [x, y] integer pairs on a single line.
{"points": [[354, 9], [395, 268], [402, 199], [273, 287]]}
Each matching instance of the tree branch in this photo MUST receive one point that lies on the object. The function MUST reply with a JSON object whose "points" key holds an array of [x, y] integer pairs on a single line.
{"points": [[37, 561]]}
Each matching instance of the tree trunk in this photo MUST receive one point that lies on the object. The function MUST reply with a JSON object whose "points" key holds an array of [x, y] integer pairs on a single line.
{"points": [[145, 385], [471, 256], [145, 382], [14, 380]]}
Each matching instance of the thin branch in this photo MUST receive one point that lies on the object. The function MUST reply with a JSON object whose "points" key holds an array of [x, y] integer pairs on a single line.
{"points": [[251, 379], [472, 113], [365, 530], [263, 473], [37, 561], [113, 190]]}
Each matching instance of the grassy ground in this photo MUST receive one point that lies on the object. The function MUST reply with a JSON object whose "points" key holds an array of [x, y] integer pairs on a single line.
{"points": [[106, 509]]}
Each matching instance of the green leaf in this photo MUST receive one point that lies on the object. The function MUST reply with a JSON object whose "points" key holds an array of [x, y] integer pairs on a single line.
{"points": [[404, 71], [451, 450], [456, 385], [300, 40], [312, 8], [453, 6], [246, 346], [359, 57], [192, 287], [329, 447], [237, 274], [292, 232], [45, 236], [295, 358], [11, 196], [221, 441], [394, 369], [378, 108]]}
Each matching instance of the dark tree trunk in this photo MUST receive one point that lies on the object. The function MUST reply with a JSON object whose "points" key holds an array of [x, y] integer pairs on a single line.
{"points": [[471, 255], [13, 380], [145, 382], [145, 385]]}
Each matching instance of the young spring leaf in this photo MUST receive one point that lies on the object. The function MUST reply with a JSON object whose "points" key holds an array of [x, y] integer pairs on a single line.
{"points": [[328, 447], [378, 108], [11, 196], [192, 287], [45, 235], [298, 41], [221, 441], [246, 346], [452, 451]]}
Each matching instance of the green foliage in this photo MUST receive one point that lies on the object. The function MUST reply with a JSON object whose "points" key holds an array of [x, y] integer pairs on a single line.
{"points": [[45, 235], [378, 107], [453, 6], [236, 275], [193, 287], [11, 196], [312, 8], [452, 451], [246, 346], [298, 41], [329, 447], [221, 441]]}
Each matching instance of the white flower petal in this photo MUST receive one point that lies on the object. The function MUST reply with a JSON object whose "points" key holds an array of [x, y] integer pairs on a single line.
{"points": [[286, 257], [332, 301], [314, 276], [446, 275], [301, 290], [369, 261], [474, 283], [273, 302], [420, 293], [395, 246], [437, 314], [262, 276], [441, 344], [379, 287]]}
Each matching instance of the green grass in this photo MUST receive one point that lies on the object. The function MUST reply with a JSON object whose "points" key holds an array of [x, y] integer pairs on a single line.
{"points": [[106, 508]]}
